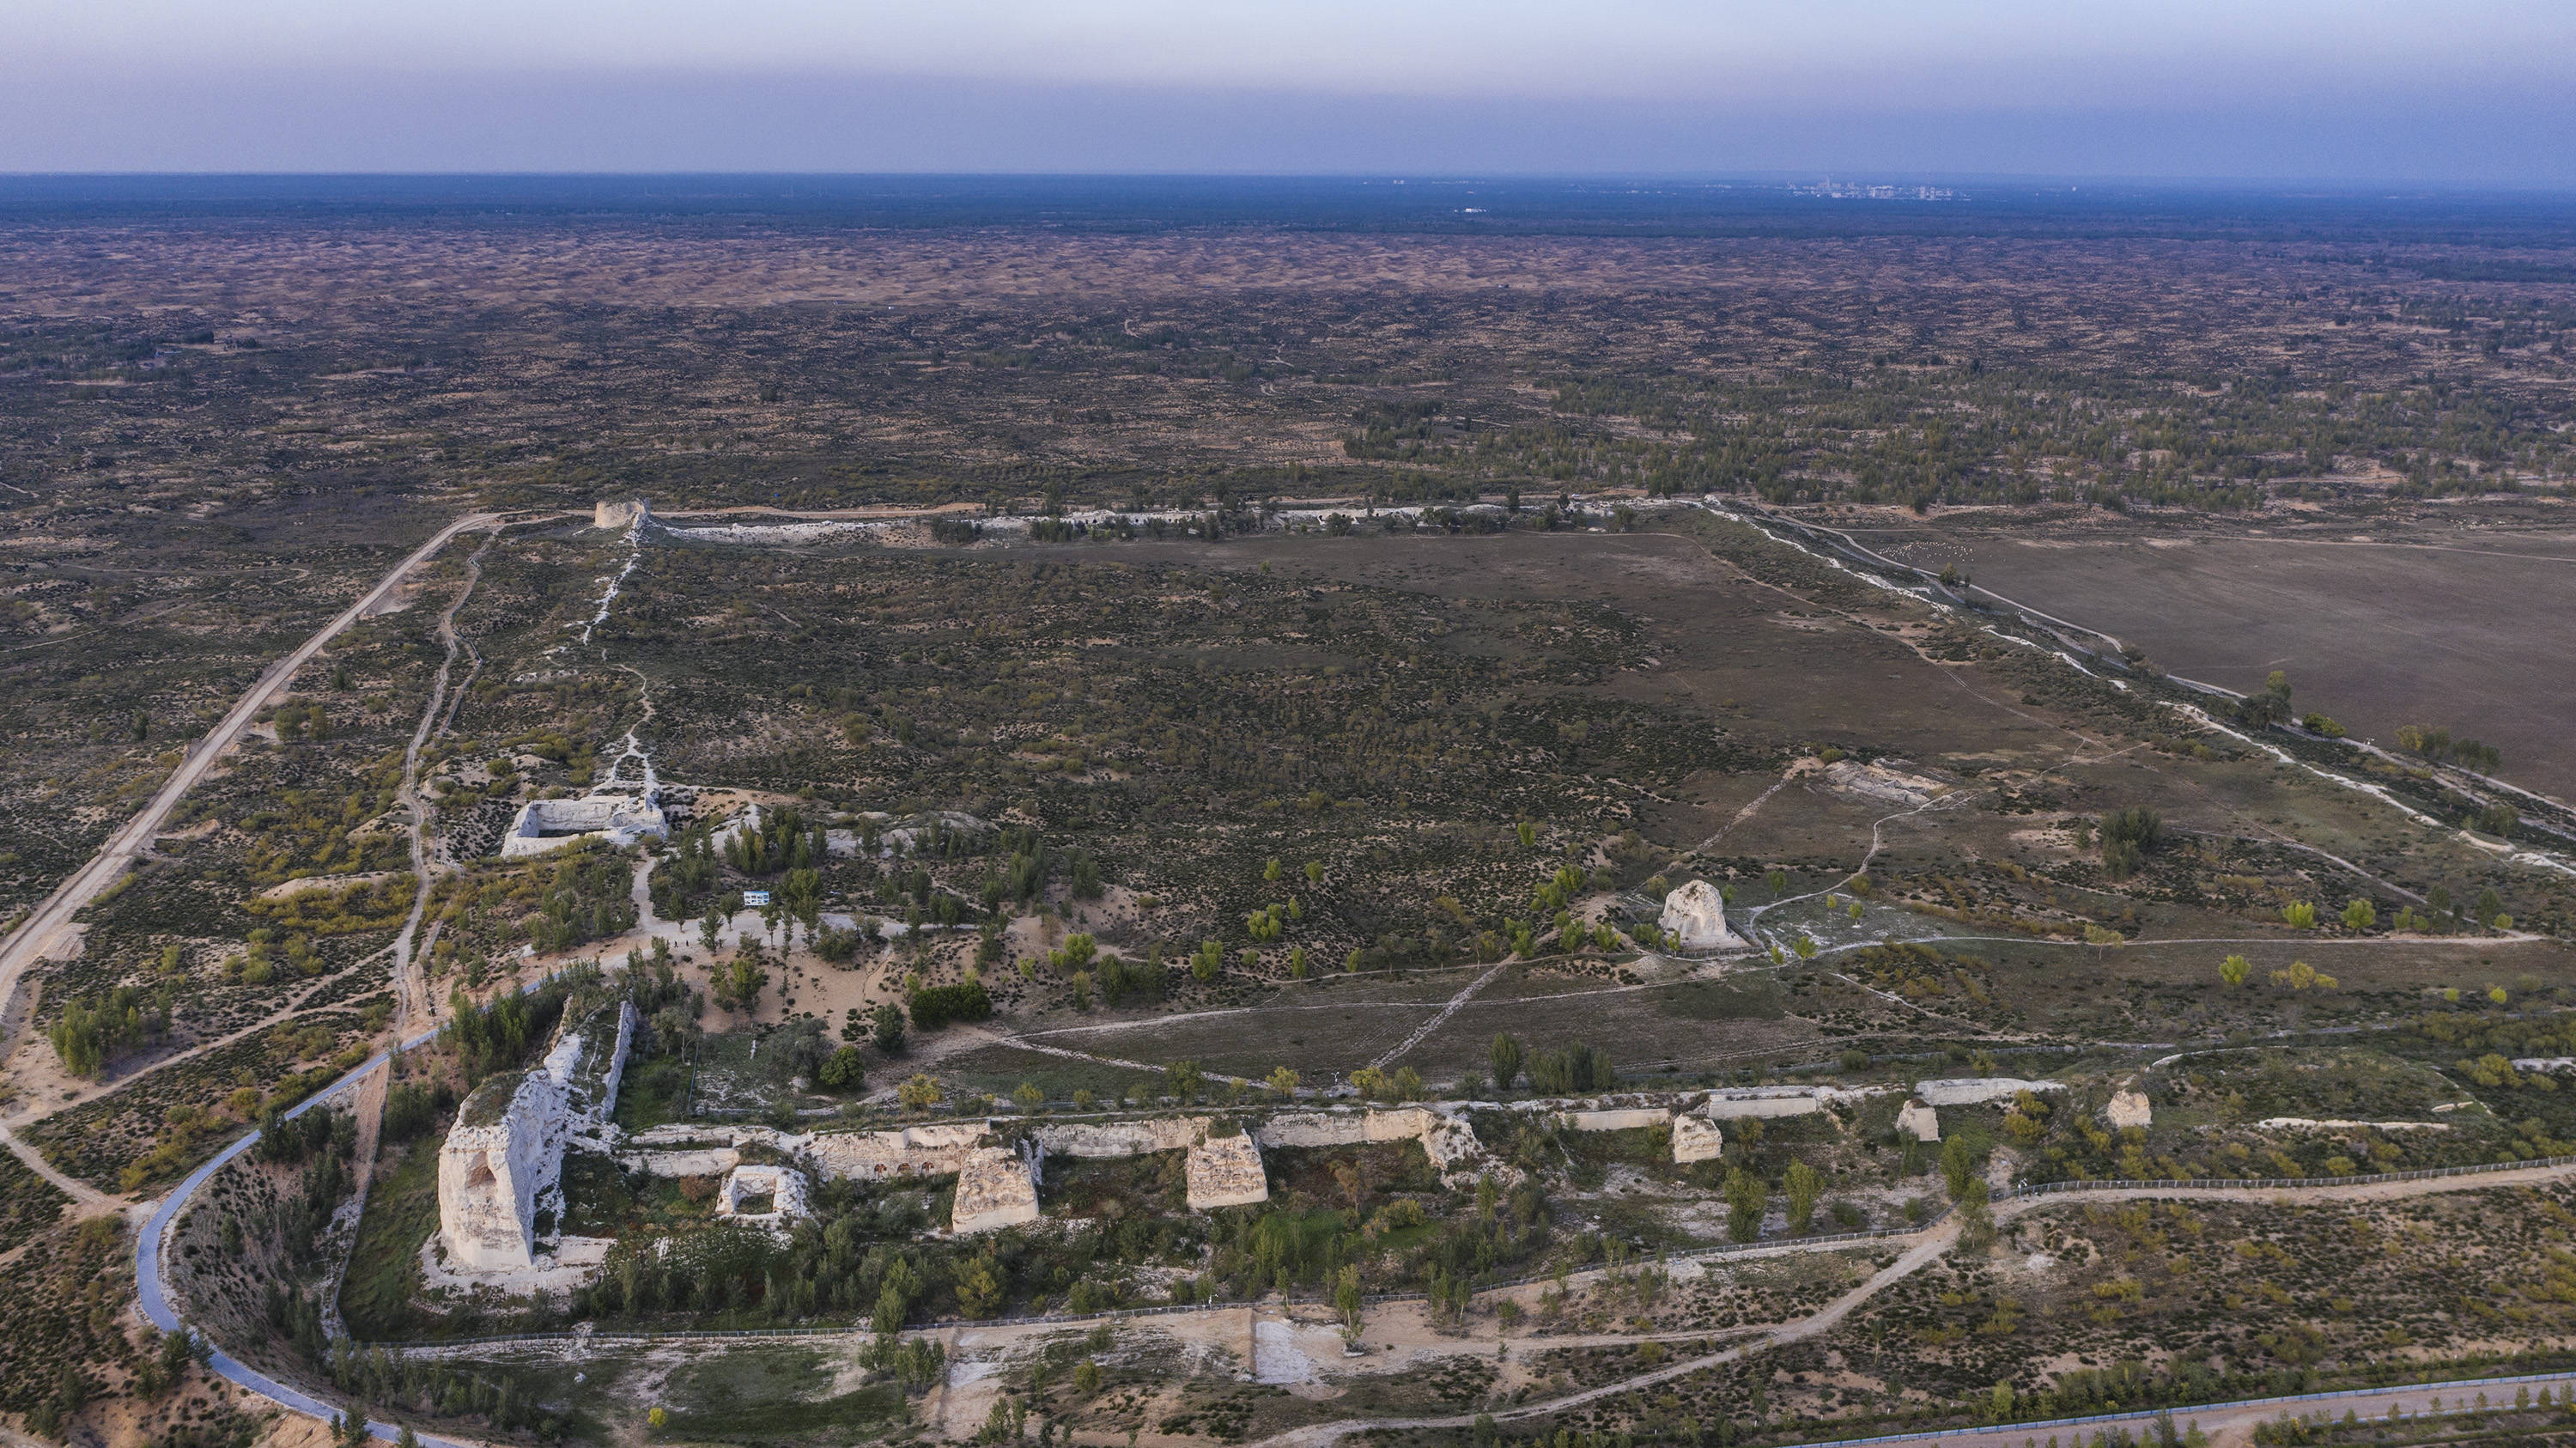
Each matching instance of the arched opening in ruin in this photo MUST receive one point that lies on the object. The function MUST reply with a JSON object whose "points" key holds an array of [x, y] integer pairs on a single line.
{"points": [[479, 1177]]}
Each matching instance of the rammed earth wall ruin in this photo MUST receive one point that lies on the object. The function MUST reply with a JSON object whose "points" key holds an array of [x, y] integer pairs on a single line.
{"points": [[502, 1163]]}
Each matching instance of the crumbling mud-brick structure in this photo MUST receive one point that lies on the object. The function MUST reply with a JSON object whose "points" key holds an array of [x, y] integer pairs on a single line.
{"points": [[617, 819], [783, 1186], [1225, 1171], [2129, 1107], [1919, 1121], [1694, 917], [502, 1163], [994, 1190], [911, 1151], [1696, 1139]]}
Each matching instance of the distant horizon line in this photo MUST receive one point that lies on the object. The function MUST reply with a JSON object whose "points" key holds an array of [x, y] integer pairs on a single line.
{"points": [[2338, 186]]}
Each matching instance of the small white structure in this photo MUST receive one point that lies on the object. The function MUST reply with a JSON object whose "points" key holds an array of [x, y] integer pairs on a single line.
{"points": [[1736, 1103], [783, 1186], [1696, 1139], [502, 1163], [1978, 1090], [1695, 917], [1225, 1171], [2129, 1108], [1920, 1121], [994, 1190], [551, 824], [1614, 1118], [618, 517]]}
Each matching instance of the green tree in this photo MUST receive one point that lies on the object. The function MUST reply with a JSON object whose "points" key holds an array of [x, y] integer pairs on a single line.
{"points": [[1270, 871], [2128, 837], [1505, 1057], [1207, 960], [1346, 1297], [2299, 915], [1283, 1081], [1314, 872], [843, 1070], [979, 1289], [1184, 1079], [1976, 1221], [2360, 915], [737, 986], [1803, 1184], [1958, 1166], [1746, 1200], [885, 1026]]}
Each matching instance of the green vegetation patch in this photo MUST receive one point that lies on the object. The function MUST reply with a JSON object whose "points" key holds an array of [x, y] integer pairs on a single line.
{"points": [[768, 1396], [384, 1264]]}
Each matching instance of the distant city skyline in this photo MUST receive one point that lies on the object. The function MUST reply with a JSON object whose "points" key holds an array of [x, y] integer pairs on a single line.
{"points": [[2471, 93]]}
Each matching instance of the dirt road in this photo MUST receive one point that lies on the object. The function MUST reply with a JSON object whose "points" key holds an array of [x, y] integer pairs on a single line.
{"points": [[53, 925], [412, 1000], [1934, 1244]]}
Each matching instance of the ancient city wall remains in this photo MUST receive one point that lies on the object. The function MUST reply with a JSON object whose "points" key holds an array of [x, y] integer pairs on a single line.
{"points": [[503, 1160]]}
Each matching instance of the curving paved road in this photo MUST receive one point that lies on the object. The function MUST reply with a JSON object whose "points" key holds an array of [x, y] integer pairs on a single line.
{"points": [[153, 1291]]}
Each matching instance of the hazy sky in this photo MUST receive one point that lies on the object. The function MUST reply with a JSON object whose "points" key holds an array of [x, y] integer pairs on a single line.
{"points": [[2476, 91]]}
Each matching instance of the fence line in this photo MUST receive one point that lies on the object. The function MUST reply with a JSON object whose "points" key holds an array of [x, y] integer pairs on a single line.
{"points": [[2037, 1189], [2037, 1425]]}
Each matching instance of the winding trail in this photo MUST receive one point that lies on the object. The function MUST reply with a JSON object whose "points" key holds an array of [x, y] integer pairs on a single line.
{"points": [[1877, 842], [55, 924], [1741, 816], [1465, 994], [1149, 1068], [411, 994], [1931, 1246]]}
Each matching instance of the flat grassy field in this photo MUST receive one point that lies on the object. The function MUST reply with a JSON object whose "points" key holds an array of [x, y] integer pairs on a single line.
{"points": [[2377, 626]]}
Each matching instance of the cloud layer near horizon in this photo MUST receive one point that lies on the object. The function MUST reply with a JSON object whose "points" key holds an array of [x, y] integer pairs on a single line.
{"points": [[2473, 93]]}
